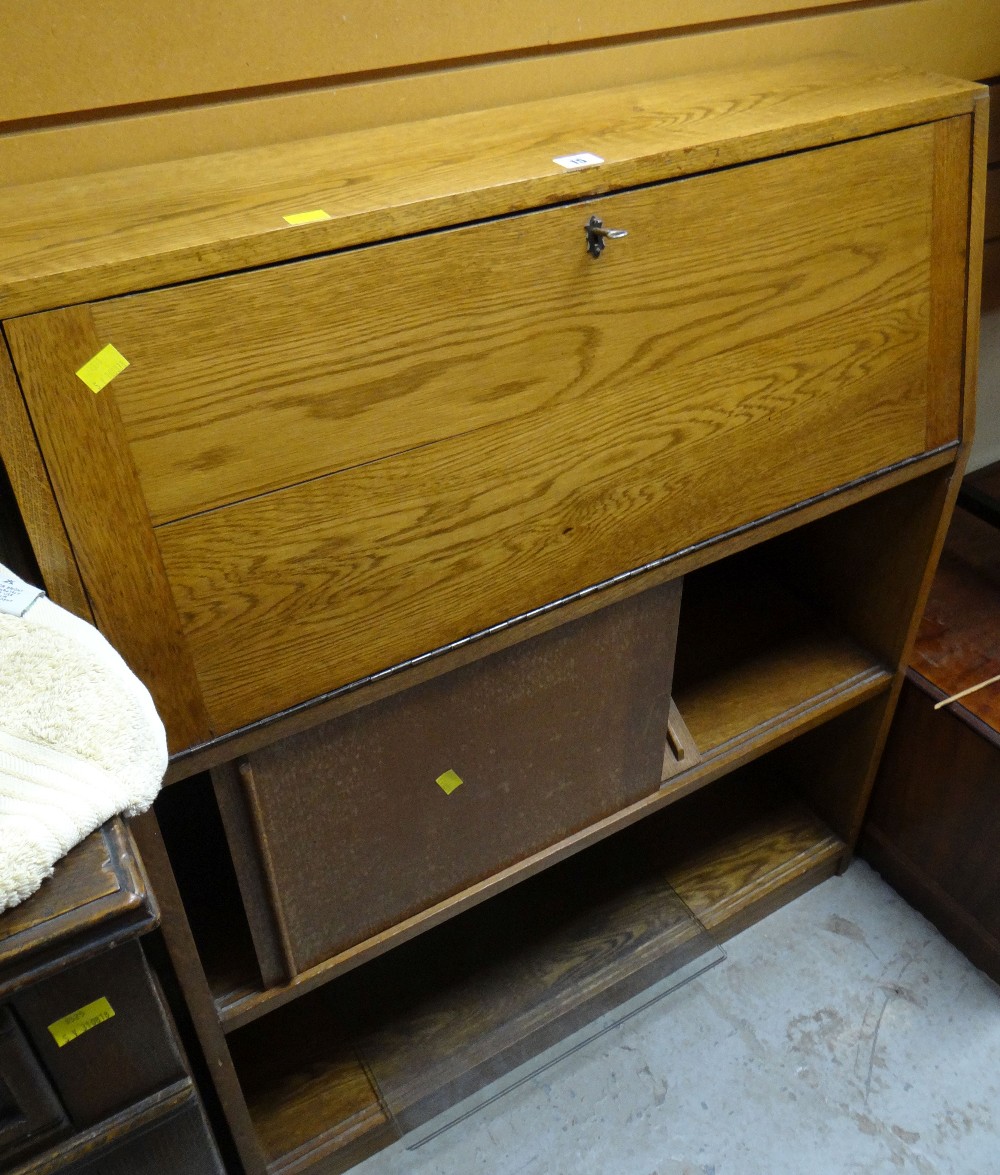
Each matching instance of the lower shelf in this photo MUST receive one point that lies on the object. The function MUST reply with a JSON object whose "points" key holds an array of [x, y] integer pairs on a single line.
{"points": [[438, 1017]]}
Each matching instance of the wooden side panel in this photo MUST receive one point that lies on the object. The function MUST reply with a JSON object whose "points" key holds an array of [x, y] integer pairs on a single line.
{"points": [[106, 520], [933, 824], [978, 266], [35, 499], [231, 785], [813, 346], [949, 285]]}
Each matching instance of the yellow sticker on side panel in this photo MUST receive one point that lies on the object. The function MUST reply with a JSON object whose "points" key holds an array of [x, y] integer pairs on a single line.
{"points": [[98, 372], [81, 1021], [307, 217], [448, 781]]}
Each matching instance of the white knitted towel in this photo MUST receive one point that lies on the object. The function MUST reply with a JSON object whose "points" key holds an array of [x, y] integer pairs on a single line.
{"points": [[80, 740]]}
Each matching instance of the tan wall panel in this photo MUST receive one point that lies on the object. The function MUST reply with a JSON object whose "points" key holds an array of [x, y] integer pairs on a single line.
{"points": [[67, 57], [960, 37]]}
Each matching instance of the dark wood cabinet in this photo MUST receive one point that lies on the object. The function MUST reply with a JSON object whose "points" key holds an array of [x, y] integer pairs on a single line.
{"points": [[91, 1067], [934, 819]]}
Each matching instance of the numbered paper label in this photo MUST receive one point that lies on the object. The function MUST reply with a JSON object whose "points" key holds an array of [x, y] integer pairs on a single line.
{"points": [[98, 372], [81, 1021], [581, 159]]}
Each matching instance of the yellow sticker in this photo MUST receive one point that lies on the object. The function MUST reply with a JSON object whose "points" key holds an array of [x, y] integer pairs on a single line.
{"points": [[448, 781], [307, 217], [81, 1021], [98, 372]]}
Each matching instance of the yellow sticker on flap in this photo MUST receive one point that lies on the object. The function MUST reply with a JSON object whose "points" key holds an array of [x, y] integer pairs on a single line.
{"points": [[307, 217], [98, 372], [81, 1021], [448, 781]]}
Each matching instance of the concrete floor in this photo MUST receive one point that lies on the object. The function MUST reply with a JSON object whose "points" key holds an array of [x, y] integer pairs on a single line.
{"points": [[842, 1034]]}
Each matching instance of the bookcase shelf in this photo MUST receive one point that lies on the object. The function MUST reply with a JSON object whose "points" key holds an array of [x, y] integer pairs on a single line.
{"points": [[482, 992]]}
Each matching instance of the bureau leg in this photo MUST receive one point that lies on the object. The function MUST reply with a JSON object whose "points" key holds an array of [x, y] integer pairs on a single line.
{"points": [[190, 975]]}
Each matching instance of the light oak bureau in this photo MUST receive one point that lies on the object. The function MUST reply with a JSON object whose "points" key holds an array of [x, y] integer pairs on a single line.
{"points": [[632, 540]]}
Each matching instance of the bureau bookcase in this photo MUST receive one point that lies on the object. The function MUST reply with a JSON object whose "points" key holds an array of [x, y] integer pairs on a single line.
{"points": [[519, 504]]}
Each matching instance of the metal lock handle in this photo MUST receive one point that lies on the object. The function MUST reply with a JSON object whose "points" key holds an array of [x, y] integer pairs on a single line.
{"points": [[597, 234]]}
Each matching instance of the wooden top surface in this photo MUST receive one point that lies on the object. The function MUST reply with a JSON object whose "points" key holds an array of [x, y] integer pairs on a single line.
{"points": [[65, 241], [97, 897], [958, 644]]}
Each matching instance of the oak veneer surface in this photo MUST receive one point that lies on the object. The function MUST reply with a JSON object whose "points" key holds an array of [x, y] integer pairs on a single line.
{"points": [[139, 227], [263, 380], [589, 448], [536, 425], [610, 455]]}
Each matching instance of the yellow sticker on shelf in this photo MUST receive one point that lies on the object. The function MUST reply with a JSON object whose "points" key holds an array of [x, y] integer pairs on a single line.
{"points": [[307, 217], [98, 372], [448, 781], [81, 1021]]}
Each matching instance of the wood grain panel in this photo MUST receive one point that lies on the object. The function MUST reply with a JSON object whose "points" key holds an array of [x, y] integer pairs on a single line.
{"points": [[521, 323], [813, 344], [98, 493], [142, 227]]}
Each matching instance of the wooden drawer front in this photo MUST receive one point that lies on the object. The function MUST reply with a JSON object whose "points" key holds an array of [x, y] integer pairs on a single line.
{"points": [[102, 1061], [546, 737], [471, 424], [30, 1114]]}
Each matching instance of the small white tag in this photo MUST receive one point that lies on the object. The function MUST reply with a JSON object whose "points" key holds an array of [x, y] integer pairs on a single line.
{"points": [[583, 159], [16, 596]]}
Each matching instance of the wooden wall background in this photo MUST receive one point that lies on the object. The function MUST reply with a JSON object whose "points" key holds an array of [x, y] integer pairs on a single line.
{"points": [[104, 84], [111, 82]]}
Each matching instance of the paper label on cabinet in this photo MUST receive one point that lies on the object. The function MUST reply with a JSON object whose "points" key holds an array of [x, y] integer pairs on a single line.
{"points": [[16, 596], [307, 217], [98, 372], [581, 159], [82, 1020], [448, 781]]}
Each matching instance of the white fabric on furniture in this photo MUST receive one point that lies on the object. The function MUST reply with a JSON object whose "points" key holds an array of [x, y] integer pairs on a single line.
{"points": [[80, 741]]}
